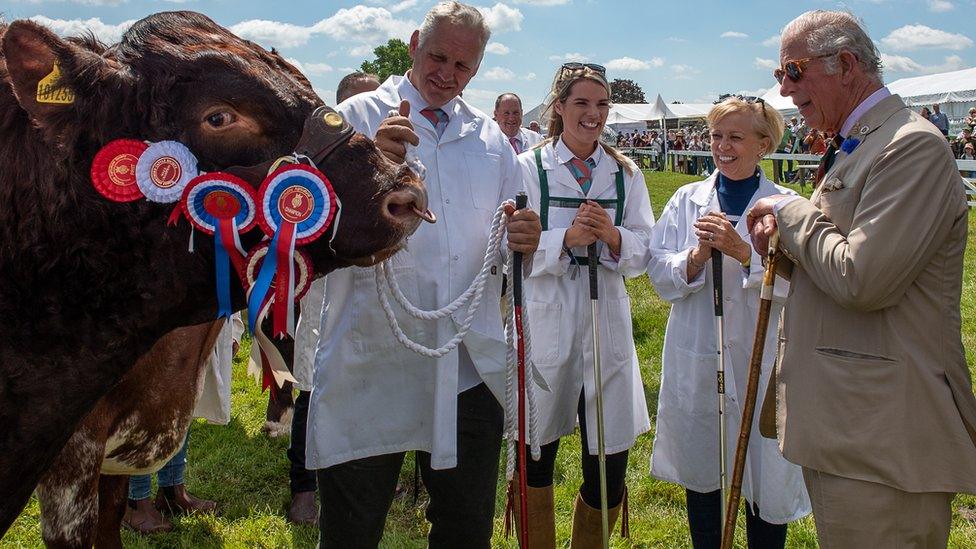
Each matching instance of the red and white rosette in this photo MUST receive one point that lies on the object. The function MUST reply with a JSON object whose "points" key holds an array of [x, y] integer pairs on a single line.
{"points": [[164, 170], [113, 170], [297, 204]]}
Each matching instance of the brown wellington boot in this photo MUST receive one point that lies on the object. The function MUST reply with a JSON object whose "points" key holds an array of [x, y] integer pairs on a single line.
{"points": [[588, 525], [144, 519], [304, 509], [542, 518], [175, 500]]}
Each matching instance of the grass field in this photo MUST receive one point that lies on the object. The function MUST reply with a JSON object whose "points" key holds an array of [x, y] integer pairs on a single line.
{"points": [[247, 473]]}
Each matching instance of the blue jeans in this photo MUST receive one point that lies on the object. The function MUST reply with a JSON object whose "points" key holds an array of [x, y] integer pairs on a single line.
{"points": [[170, 475]]}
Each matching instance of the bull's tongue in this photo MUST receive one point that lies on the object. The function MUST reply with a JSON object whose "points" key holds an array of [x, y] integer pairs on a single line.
{"points": [[426, 215]]}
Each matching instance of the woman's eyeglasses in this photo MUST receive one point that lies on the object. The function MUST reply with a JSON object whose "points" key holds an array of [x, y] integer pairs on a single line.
{"points": [[794, 69]]}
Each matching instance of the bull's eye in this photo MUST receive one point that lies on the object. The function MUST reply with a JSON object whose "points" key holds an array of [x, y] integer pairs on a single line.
{"points": [[220, 119]]}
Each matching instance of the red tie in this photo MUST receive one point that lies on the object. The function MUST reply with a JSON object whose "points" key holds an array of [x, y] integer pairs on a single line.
{"points": [[437, 118], [515, 144]]}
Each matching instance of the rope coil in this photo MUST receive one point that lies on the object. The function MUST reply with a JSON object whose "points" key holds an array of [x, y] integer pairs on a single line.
{"points": [[472, 298]]}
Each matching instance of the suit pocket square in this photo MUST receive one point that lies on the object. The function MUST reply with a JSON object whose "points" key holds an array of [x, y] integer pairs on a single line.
{"points": [[832, 184]]}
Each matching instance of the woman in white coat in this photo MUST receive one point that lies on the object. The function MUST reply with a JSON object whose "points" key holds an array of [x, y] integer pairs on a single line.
{"points": [[701, 217], [585, 192]]}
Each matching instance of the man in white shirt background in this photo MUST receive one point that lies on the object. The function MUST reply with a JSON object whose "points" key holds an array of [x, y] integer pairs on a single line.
{"points": [[508, 115]]}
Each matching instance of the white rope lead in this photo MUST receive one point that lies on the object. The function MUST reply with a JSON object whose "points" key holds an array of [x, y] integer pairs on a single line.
{"points": [[471, 298]]}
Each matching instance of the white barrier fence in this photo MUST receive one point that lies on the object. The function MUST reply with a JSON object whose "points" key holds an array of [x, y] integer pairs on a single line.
{"points": [[966, 167]]}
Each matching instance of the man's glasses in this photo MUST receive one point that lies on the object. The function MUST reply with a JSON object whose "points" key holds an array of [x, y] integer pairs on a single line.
{"points": [[574, 66], [794, 69]]}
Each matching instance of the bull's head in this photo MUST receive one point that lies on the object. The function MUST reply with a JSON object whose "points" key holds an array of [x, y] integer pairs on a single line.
{"points": [[180, 76]]}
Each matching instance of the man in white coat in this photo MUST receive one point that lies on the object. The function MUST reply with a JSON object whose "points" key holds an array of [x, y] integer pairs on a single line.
{"points": [[372, 399], [508, 114]]}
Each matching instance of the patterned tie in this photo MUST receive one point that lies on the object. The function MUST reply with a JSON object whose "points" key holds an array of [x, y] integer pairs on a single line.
{"points": [[583, 172], [437, 118], [828, 158], [515, 144]]}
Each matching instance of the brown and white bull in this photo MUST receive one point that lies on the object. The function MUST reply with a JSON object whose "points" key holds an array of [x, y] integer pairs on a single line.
{"points": [[88, 286]]}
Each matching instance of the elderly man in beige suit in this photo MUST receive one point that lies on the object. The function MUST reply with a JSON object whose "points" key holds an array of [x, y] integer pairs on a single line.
{"points": [[873, 396]]}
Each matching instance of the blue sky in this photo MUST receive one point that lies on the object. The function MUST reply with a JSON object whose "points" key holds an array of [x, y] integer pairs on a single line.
{"points": [[686, 51]]}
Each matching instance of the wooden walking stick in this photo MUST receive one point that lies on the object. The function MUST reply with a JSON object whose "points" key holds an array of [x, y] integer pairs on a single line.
{"points": [[752, 390], [520, 201], [592, 261]]}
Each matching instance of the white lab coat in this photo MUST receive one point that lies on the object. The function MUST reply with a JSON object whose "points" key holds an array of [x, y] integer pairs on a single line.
{"points": [[307, 335], [528, 138], [370, 395], [558, 305], [213, 396], [686, 443]]}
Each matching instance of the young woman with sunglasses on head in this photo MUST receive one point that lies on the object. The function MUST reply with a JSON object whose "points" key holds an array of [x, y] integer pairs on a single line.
{"points": [[585, 192], [702, 217]]}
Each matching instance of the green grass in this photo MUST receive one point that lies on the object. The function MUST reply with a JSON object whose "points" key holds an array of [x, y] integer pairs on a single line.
{"points": [[247, 473]]}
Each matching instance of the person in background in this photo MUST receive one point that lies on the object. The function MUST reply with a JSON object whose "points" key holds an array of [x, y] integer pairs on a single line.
{"points": [[970, 120], [680, 145], [785, 146], [940, 120], [590, 194], [508, 115], [372, 399], [303, 508], [213, 404], [872, 395], [534, 126], [701, 219], [925, 113]]}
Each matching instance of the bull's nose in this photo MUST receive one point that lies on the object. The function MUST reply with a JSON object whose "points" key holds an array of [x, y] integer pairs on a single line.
{"points": [[407, 204]]}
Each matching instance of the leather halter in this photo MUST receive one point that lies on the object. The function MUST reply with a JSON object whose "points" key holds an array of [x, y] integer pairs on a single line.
{"points": [[325, 130]]}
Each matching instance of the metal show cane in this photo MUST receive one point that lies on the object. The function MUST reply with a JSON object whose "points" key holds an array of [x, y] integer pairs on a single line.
{"points": [[752, 390], [598, 389], [520, 202], [720, 375]]}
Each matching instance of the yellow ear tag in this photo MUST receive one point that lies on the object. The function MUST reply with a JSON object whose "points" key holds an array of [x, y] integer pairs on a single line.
{"points": [[49, 91]]}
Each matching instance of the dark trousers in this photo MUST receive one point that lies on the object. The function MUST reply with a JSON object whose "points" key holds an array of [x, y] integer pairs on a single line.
{"points": [[356, 496], [540, 473], [705, 522], [302, 480]]}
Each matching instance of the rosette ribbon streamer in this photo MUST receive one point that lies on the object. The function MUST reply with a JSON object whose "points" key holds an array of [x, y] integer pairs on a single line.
{"points": [[222, 205]]}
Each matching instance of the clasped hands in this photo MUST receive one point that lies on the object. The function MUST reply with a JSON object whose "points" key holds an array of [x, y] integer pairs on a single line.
{"points": [[715, 232], [592, 223], [524, 227]]}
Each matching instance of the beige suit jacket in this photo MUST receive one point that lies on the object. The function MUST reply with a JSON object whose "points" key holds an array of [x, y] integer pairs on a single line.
{"points": [[872, 381]]}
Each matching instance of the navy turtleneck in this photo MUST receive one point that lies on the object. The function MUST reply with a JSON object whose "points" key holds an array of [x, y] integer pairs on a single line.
{"points": [[734, 195]]}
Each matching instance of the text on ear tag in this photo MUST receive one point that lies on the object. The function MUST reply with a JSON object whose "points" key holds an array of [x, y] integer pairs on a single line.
{"points": [[50, 91]]}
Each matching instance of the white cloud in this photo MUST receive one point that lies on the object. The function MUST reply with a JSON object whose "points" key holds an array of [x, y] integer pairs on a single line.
{"points": [[939, 6], [773, 41], [502, 18], [498, 73], [913, 37], [734, 34], [364, 24], [361, 51], [404, 5], [542, 2], [85, 2], [761, 63], [676, 39], [530, 77], [497, 48], [899, 63], [482, 99], [631, 64], [752, 93], [570, 57], [683, 72], [272, 34], [317, 69], [110, 34]]}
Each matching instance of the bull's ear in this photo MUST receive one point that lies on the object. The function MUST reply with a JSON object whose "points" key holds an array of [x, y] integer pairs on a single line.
{"points": [[45, 69]]}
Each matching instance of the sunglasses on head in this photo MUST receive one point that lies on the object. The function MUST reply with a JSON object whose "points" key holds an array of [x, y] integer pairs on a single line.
{"points": [[794, 69], [575, 66]]}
